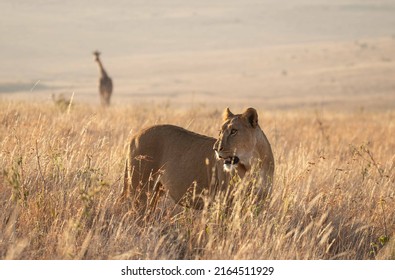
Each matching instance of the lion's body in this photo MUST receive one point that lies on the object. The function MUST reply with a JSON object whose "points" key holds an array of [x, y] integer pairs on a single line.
{"points": [[180, 161], [174, 158]]}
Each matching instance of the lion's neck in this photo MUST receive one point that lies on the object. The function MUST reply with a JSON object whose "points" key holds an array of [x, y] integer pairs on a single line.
{"points": [[260, 144], [241, 170]]}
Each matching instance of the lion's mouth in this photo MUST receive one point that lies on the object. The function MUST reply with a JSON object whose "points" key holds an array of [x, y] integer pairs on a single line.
{"points": [[231, 160]]}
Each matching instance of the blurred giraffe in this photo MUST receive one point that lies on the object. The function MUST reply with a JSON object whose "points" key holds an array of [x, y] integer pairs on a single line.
{"points": [[105, 82]]}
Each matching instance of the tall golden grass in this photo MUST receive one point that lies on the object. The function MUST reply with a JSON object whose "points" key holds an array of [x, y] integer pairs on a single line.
{"points": [[61, 170]]}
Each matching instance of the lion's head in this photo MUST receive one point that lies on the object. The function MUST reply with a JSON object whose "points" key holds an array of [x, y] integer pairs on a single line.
{"points": [[237, 139]]}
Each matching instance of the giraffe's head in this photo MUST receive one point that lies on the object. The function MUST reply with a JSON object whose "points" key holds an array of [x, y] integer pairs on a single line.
{"points": [[96, 54]]}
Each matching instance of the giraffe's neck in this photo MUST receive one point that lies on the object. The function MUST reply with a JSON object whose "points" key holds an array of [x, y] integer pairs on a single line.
{"points": [[102, 71]]}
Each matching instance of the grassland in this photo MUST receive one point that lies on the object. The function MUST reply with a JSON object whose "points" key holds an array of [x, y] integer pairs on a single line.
{"points": [[61, 170]]}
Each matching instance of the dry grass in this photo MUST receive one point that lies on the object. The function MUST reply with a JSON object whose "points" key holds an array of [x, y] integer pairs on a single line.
{"points": [[60, 177]]}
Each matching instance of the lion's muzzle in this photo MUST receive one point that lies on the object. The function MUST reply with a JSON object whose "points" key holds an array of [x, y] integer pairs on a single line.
{"points": [[230, 161]]}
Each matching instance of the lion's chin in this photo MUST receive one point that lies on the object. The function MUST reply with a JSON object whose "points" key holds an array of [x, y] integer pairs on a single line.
{"points": [[230, 167]]}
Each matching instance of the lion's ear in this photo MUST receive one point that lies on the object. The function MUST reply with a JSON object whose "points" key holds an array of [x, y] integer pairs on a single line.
{"points": [[252, 116], [227, 114]]}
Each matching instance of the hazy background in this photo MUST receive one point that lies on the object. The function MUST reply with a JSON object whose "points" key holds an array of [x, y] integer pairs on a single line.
{"points": [[266, 52]]}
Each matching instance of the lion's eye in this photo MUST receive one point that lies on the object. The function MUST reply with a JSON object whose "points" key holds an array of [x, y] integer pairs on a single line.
{"points": [[233, 131]]}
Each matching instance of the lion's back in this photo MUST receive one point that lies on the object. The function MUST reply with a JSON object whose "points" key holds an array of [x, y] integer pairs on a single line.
{"points": [[182, 155], [172, 143]]}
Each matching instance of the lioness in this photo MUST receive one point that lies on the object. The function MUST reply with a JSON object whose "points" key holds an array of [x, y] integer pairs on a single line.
{"points": [[177, 160]]}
